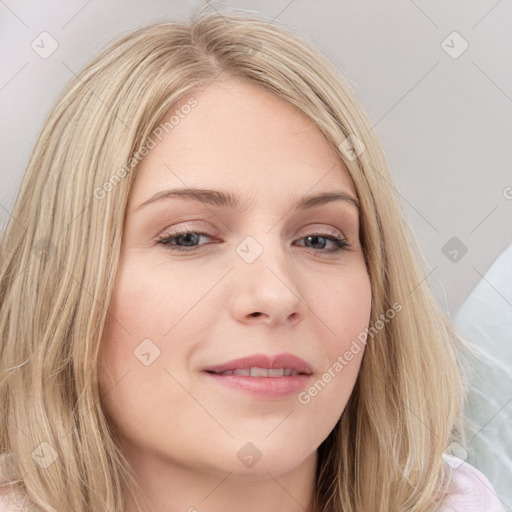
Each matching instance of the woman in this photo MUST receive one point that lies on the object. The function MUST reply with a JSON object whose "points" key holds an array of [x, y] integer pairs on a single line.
{"points": [[295, 359]]}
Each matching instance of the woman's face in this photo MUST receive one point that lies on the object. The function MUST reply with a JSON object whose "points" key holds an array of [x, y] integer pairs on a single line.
{"points": [[264, 280]]}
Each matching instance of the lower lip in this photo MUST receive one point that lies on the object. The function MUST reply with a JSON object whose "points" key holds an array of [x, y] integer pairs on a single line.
{"points": [[264, 387]]}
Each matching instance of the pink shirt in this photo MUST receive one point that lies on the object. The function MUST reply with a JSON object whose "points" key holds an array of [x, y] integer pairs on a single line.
{"points": [[469, 491]]}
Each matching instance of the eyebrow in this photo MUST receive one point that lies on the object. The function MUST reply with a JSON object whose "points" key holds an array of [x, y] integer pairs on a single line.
{"points": [[226, 199]]}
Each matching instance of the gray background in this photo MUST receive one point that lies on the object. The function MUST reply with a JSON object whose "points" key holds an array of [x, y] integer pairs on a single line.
{"points": [[445, 122]]}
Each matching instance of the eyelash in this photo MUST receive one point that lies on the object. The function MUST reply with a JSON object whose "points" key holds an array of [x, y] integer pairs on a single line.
{"points": [[165, 240]]}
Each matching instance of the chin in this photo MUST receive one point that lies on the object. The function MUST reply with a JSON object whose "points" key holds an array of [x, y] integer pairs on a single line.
{"points": [[274, 464]]}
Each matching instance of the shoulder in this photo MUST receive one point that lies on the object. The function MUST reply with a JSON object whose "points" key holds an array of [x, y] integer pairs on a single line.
{"points": [[468, 489], [11, 499]]}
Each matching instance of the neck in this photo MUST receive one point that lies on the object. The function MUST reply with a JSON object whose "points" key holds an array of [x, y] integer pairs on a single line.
{"points": [[169, 487]]}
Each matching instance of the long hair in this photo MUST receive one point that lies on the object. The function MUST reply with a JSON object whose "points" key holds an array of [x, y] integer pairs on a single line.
{"points": [[60, 251]]}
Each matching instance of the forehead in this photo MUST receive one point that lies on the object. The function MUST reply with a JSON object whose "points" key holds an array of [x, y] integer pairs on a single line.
{"points": [[240, 136]]}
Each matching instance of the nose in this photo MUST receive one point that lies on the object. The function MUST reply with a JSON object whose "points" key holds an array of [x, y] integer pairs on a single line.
{"points": [[267, 289]]}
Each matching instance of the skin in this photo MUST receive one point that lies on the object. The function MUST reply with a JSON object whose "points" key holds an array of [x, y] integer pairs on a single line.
{"points": [[180, 431]]}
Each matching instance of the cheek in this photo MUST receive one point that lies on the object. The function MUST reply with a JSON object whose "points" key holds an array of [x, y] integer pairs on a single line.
{"points": [[342, 306], [130, 320], [137, 300], [146, 312], [342, 314], [145, 304]]}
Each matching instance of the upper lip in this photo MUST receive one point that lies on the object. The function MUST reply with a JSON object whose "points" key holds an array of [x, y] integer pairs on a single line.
{"points": [[264, 361]]}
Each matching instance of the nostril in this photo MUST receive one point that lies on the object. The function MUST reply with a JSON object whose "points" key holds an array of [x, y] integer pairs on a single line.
{"points": [[256, 314]]}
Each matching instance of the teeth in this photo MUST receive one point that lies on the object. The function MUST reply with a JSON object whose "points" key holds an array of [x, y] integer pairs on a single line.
{"points": [[259, 372], [262, 372]]}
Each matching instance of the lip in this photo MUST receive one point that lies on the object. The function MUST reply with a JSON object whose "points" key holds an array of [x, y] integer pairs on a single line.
{"points": [[263, 361], [263, 387]]}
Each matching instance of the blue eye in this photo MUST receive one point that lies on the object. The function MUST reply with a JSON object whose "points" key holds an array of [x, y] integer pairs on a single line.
{"points": [[190, 238], [340, 243]]}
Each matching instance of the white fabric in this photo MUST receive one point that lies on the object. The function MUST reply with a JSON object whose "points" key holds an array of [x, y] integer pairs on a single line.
{"points": [[485, 319]]}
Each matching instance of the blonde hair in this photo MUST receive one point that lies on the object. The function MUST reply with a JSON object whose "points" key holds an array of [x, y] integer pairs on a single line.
{"points": [[60, 252]]}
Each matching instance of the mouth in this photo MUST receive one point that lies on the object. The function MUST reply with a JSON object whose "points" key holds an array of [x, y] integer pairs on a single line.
{"points": [[262, 365], [261, 372], [263, 376]]}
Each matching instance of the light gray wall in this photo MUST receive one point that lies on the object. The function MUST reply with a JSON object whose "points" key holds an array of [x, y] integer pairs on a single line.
{"points": [[445, 122]]}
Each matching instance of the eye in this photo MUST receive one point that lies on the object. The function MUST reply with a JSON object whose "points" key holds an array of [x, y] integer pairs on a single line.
{"points": [[340, 243], [190, 238]]}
